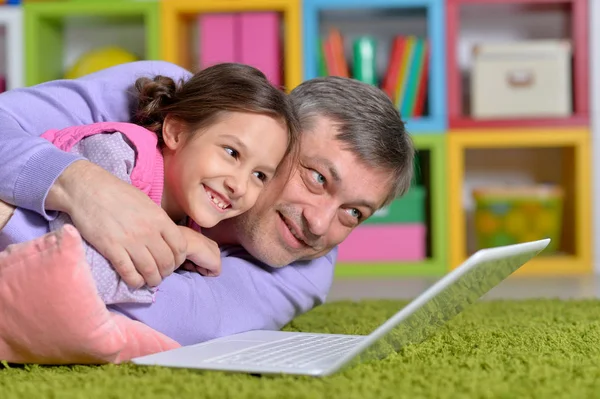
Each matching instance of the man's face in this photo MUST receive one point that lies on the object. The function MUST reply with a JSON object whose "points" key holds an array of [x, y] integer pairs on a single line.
{"points": [[328, 194]]}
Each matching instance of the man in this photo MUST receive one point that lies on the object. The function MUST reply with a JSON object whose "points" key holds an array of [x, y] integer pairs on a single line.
{"points": [[355, 157]]}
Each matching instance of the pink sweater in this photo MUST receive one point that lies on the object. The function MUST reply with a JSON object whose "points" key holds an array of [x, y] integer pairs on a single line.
{"points": [[148, 169], [131, 153]]}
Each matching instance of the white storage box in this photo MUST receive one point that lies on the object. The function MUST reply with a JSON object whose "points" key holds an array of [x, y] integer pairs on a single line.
{"points": [[521, 79]]}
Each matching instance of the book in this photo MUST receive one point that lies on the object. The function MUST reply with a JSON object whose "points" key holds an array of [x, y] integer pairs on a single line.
{"points": [[390, 81], [402, 83], [419, 108], [364, 64], [218, 36], [260, 46]]}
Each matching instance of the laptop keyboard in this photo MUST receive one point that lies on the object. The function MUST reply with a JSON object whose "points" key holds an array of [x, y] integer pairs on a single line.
{"points": [[296, 351]]}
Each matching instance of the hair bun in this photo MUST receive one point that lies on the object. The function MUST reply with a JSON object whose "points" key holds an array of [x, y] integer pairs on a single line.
{"points": [[160, 88], [153, 95]]}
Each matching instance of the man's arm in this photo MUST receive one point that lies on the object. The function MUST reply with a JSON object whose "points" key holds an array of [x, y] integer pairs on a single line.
{"points": [[120, 221], [115, 154], [190, 308], [30, 164]]}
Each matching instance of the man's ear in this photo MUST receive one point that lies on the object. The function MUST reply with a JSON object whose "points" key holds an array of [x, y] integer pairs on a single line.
{"points": [[173, 132]]}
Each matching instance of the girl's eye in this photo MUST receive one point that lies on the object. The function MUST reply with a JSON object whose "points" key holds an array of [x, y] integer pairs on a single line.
{"points": [[319, 178], [232, 152], [355, 213], [261, 176]]}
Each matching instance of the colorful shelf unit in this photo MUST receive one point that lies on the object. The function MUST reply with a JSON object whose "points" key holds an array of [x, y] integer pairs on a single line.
{"points": [[520, 19], [595, 119], [131, 25], [376, 24], [410, 235], [556, 155], [237, 27], [12, 57]]}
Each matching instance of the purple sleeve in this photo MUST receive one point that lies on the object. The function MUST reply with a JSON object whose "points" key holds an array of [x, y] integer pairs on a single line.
{"points": [[30, 164], [191, 308], [116, 155]]}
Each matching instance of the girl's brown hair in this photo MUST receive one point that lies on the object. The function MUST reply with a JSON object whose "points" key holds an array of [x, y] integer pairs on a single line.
{"points": [[201, 99]]}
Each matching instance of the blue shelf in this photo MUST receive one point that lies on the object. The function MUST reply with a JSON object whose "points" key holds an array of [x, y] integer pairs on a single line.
{"points": [[436, 120]]}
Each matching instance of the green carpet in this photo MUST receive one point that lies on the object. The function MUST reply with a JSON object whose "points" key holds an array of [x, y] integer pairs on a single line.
{"points": [[536, 348]]}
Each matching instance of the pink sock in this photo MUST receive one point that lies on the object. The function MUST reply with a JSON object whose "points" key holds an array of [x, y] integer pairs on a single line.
{"points": [[52, 313]]}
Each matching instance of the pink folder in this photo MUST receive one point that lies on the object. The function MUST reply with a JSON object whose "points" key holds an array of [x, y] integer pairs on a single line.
{"points": [[260, 43], [218, 38], [251, 38], [384, 243]]}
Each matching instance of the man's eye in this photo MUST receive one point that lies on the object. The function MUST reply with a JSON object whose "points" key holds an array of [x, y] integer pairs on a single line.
{"points": [[319, 178], [355, 213], [232, 152]]}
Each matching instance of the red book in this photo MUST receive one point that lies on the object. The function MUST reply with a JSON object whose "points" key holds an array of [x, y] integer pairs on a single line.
{"points": [[423, 83], [330, 62], [336, 46], [390, 81]]}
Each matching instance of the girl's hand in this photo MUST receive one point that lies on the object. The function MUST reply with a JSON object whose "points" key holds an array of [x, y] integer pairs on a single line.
{"points": [[203, 255]]}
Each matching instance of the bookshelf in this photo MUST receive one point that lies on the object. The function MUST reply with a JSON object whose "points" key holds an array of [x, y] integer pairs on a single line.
{"points": [[540, 155], [11, 46], [595, 122], [57, 33], [180, 25], [517, 151], [382, 21], [468, 21]]}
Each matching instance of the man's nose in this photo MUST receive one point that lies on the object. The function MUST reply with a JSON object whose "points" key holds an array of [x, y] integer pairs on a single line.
{"points": [[319, 218]]}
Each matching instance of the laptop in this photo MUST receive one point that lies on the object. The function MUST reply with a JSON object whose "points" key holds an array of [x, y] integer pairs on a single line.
{"points": [[315, 354]]}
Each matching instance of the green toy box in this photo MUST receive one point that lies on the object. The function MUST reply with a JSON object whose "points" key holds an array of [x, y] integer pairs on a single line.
{"points": [[410, 208], [510, 215]]}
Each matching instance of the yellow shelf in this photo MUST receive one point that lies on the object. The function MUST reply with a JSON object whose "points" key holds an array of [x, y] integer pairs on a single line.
{"points": [[555, 265], [515, 138], [577, 166], [175, 30]]}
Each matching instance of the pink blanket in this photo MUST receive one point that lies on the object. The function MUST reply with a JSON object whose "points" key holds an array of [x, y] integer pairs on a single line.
{"points": [[50, 312]]}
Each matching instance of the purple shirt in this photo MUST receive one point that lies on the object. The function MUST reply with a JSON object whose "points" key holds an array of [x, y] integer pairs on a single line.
{"points": [[190, 308]]}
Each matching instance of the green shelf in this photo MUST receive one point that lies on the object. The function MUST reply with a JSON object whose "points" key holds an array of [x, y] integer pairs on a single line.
{"points": [[45, 39], [432, 163]]}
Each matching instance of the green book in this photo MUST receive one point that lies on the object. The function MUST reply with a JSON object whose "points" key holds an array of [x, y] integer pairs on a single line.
{"points": [[322, 67], [410, 208], [364, 67]]}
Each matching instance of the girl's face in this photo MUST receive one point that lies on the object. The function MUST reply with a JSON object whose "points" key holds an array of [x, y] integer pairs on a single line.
{"points": [[218, 173]]}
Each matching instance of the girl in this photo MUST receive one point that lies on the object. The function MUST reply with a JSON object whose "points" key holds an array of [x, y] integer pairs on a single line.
{"points": [[203, 149]]}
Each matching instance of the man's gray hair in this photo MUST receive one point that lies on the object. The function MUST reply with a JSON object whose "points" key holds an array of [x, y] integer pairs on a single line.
{"points": [[367, 123]]}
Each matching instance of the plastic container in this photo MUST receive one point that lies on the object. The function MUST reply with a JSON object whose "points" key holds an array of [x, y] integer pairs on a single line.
{"points": [[510, 215]]}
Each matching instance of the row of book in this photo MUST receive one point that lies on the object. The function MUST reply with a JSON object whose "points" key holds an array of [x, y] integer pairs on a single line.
{"points": [[254, 38], [405, 79]]}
